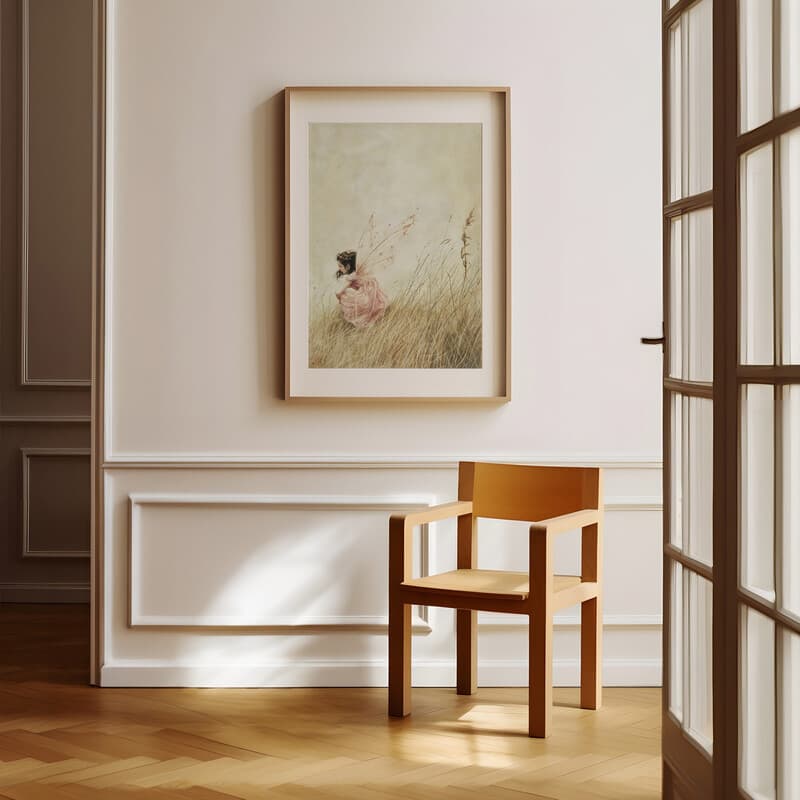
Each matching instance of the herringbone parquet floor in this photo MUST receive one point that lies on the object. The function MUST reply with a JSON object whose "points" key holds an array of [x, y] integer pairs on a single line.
{"points": [[62, 740]]}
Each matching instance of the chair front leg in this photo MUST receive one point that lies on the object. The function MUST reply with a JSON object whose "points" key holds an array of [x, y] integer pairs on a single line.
{"points": [[399, 658], [540, 673], [399, 618], [540, 634]]}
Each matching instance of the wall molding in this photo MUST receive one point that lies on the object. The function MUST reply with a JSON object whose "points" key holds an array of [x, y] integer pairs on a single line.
{"points": [[279, 624], [15, 419], [367, 672], [420, 622], [643, 503], [27, 454], [44, 592], [291, 501], [245, 461], [25, 379]]}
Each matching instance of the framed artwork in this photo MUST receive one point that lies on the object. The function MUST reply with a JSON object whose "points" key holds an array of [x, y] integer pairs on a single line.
{"points": [[397, 243]]}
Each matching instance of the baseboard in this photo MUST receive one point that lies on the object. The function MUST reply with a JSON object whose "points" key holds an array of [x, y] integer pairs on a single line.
{"points": [[44, 593], [616, 672]]}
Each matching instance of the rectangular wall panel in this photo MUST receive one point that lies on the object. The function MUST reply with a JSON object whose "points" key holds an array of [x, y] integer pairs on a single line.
{"points": [[246, 560], [56, 192], [44, 505], [55, 502]]}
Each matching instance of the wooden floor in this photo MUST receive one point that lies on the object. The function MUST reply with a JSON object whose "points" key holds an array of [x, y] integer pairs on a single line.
{"points": [[60, 739]]}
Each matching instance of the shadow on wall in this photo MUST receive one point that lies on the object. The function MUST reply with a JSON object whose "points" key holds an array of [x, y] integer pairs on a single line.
{"points": [[268, 231], [292, 574]]}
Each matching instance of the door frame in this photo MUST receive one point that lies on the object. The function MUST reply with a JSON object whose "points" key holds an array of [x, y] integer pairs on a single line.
{"points": [[725, 667], [688, 771], [99, 141]]}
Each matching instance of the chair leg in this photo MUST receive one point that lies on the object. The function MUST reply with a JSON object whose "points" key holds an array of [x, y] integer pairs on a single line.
{"points": [[540, 673], [399, 659], [466, 652], [591, 653]]}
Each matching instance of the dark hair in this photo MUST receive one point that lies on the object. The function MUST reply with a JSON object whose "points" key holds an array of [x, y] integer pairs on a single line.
{"points": [[347, 260]]}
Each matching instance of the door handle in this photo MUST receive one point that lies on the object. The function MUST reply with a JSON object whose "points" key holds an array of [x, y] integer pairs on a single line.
{"points": [[654, 339]]}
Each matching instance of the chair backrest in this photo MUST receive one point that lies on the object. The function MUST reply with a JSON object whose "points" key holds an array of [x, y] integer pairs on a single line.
{"points": [[527, 493]]}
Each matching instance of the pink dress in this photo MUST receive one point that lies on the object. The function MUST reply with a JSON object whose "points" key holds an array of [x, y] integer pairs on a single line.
{"points": [[362, 300]]}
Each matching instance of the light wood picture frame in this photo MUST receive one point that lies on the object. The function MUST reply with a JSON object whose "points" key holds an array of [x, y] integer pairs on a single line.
{"points": [[397, 243]]}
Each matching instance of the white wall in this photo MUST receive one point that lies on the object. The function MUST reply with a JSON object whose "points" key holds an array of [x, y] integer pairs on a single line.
{"points": [[195, 332]]}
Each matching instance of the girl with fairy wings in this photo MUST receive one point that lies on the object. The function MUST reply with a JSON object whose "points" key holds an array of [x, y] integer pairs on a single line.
{"points": [[361, 299]]}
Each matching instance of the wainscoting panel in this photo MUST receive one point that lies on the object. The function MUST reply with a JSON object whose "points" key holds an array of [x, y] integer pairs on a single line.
{"points": [[274, 570], [44, 469], [55, 502], [275, 575]]}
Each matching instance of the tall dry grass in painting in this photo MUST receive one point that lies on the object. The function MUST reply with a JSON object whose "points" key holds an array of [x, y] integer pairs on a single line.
{"points": [[434, 322]]}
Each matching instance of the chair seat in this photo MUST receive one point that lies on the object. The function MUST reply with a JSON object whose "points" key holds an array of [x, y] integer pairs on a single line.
{"points": [[499, 585]]}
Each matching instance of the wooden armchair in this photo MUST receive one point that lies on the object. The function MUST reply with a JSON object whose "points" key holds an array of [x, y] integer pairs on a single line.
{"points": [[555, 500]]}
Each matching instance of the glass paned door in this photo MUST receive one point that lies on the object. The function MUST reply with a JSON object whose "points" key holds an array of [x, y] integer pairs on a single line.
{"points": [[689, 222], [768, 385], [731, 195]]}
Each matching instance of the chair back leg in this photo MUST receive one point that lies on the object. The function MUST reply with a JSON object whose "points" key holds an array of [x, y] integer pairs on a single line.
{"points": [[466, 652], [591, 653], [592, 617]]}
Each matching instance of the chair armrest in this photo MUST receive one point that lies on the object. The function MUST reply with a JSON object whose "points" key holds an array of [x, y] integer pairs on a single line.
{"points": [[401, 528], [567, 522], [459, 508]]}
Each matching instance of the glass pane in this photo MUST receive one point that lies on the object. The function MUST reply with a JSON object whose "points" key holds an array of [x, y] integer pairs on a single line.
{"points": [[678, 433], [755, 63], [690, 102], [691, 296], [789, 57], [791, 500], [758, 482], [676, 334], [700, 478], [700, 304], [676, 113], [699, 124], [789, 721], [756, 257], [790, 240], [757, 763], [676, 641], [700, 723], [691, 479]]}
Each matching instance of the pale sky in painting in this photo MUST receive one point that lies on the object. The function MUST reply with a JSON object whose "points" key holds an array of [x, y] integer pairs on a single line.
{"points": [[391, 170]]}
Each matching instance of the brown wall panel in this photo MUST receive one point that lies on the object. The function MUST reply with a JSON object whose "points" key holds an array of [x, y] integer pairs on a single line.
{"points": [[56, 39], [55, 502], [45, 302], [15, 568]]}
